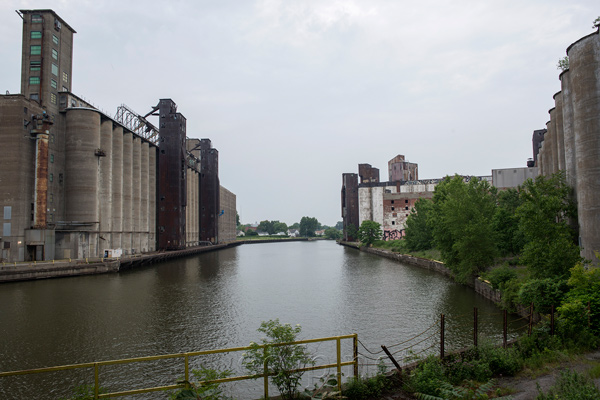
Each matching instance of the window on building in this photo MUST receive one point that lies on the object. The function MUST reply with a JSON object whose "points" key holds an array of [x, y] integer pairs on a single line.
{"points": [[53, 84], [36, 34], [54, 69], [55, 54], [51, 198], [54, 39], [405, 201], [392, 201], [393, 222], [50, 217], [34, 80], [53, 100], [51, 177], [35, 50], [51, 158], [25, 123], [65, 77], [65, 89], [392, 208], [52, 138], [36, 18], [25, 110], [406, 208], [35, 65], [34, 96]]}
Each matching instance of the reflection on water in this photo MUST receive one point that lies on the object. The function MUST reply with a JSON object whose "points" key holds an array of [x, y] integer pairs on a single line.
{"points": [[217, 300]]}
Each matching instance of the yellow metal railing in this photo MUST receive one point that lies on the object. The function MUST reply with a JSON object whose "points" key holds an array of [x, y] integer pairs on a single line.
{"points": [[186, 356]]}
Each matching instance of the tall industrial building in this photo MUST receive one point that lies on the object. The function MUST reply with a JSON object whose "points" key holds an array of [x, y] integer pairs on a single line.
{"points": [[77, 183], [571, 140]]}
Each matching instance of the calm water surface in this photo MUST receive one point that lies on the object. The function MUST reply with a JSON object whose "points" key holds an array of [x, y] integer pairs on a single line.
{"points": [[218, 300]]}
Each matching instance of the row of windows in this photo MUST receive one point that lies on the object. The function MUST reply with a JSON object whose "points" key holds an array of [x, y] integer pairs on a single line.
{"points": [[38, 35]]}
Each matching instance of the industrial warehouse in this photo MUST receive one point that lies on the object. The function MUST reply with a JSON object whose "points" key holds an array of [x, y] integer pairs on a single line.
{"points": [[79, 183]]}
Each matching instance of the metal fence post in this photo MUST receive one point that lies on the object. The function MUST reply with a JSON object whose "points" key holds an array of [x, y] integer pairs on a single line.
{"points": [[338, 346], [552, 320], [266, 374], [505, 329], [442, 333], [475, 326], [96, 381], [355, 349], [530, 320]]}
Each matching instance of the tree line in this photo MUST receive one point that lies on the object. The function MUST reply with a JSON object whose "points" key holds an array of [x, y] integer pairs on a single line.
{"points": [[307, 227]]}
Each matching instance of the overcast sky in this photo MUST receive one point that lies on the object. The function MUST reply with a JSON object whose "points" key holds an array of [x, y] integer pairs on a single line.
{"points": [[294, 93]]}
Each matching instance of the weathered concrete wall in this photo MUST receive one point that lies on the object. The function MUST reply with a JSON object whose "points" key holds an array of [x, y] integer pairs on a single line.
{"points": [[105, 175], [227, 218], [512, 177]]}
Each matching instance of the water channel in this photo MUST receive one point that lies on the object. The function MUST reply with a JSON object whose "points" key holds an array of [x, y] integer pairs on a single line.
{"points": [[218, 300]]}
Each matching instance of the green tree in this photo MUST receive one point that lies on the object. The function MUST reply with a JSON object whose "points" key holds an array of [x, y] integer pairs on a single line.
{"points": [[419, 234], [547, 206], [596, 23], [237, 219], [369, 232], [266, 226], [462, 224], [279, 227], [332, 233], [509, 238], [308, 226], [351, 232], [280, 361], [339, 225]]}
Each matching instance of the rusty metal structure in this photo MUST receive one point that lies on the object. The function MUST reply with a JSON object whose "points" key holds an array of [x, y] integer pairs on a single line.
{"points": [[209, 192], [41, 130], [172, 169], [137, 124], [350, 205]]}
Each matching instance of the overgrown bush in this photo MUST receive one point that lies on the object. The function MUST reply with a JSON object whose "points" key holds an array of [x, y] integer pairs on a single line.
{"points": [[426, 377], [505, 362], [501, 275], [543, 293], [571, 385], [281, 361], [205, 391]]}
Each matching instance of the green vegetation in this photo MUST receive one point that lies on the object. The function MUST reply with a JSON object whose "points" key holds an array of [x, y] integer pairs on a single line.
{"points": [[281, 361], [85, 392], [332, 233], [200, 390], [369, 232], [308, 226], [563, 63], [461, 222], [573, 386]]}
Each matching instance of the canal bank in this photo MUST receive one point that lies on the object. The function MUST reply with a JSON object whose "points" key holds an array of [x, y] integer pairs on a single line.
{"points": [[23, 271]]}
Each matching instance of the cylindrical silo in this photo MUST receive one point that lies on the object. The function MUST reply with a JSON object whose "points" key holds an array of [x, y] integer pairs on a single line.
{"points": [[136, 190], [188, 213], [152, 197], [105, 186], [584, 67], [542, 159], [117, 187], [82, 139], [568, 132], [197, 208], [550, 125], [127, 191], [558, 126], [144, 197]]}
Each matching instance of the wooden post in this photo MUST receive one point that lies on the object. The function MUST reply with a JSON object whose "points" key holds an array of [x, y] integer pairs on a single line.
{"points": [[505, 329], [442, 334], [398, 367], [475, 326]]}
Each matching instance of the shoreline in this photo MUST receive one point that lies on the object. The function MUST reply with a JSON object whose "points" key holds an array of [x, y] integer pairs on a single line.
{"points": [[30, 271]]}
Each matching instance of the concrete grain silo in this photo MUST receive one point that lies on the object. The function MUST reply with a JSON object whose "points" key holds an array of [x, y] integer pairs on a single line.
{"points": [[152, 198], [144, 197], [136, 190], [584, 67], [117, 187], [127, 192], [557, 117], [81, 180], [105, 185], [568, 130]]}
